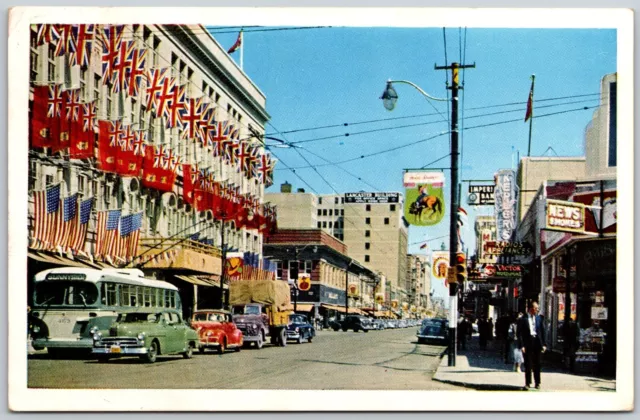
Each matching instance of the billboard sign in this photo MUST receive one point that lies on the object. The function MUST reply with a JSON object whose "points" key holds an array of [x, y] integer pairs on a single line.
{"points": [[372, 197], [439, 264], [505, 203], [424, 197]]}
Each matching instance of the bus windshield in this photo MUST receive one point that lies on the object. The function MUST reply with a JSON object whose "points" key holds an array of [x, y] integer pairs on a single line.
{"points": [[65, 293]]}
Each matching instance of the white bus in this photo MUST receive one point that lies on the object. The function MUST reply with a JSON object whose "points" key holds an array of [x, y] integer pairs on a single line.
{"points": [[69, 301]]}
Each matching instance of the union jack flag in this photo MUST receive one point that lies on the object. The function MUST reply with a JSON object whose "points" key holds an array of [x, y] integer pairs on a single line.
{"points": [[66, 42], [88, 116], [155, 83], [138, 58], [207, 124], [231, 149], [165, 97], [121, 66], [244, 157], [115, 134], [72, 105], [176, 105], [254, 159], [83, 38], [218, 134], [54, 106], [127, 140], [47, 33], [160, 157], [111, 37], [191, 119], [140, 143], [265, 169]]}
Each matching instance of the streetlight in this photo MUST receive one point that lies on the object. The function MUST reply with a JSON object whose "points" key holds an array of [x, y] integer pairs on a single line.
{"points": [[389, 98]]}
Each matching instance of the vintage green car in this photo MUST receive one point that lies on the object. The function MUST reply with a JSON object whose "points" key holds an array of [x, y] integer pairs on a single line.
{"points": [[147, 335]]}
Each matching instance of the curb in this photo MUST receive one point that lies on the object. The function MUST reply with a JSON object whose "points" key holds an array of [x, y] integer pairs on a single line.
{"points": [[480, 387]]}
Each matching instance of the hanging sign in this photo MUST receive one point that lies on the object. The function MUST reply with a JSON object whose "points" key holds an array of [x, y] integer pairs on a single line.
{"points": [[505, 203], [372, 197], [424, 197], [565, 216], [439, 264], [481, 195]]}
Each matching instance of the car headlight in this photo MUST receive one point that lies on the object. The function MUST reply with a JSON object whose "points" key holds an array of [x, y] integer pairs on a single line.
{"points": [[209, 334], [97, 336], [254, 326], [141, 336], [297, 329], [36, 329], [94, 330]]}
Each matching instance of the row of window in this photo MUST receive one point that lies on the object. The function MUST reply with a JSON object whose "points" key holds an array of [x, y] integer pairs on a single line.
{"points": [[323, 212], [367, 220], [338, 225], [114, 294], [336, 200]]}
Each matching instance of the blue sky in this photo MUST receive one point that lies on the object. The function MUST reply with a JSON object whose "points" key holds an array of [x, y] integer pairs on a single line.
{"points": [[330, 76]]}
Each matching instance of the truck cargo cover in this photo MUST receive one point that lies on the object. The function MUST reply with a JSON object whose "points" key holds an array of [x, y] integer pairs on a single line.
{"points": [[268, 292]]}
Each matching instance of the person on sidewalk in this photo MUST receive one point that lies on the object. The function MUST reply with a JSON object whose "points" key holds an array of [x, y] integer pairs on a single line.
{"points": [[531, 341], [482, 331], [463, 327], [515, 352]]}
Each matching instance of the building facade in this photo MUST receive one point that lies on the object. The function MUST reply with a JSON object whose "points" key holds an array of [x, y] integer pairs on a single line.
{"points": [[150, 138]]}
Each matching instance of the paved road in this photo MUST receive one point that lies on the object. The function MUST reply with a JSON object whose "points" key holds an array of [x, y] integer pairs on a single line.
{"points": [[377, 360]]}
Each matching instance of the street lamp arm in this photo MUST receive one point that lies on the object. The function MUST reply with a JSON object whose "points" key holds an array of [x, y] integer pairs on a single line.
{"points": [[419, 89]]}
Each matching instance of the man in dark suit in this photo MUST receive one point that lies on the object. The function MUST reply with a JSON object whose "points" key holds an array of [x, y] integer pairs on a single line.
{"points": [[531, 341]]}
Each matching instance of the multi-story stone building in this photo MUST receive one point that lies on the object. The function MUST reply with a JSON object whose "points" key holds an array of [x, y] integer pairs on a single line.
{"points": [[370, 224], [170, 122], [418, 281]]}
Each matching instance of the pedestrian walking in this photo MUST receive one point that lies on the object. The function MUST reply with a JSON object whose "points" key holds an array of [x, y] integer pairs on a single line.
{"points": [[463, 328], [482, 331], [532, 343], [490, 329], [515, 352]]}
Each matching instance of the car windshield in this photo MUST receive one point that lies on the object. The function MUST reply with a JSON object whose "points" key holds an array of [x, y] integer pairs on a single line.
{"points": [[66, 293], [298, 319], [246, 310], [138, 317]]}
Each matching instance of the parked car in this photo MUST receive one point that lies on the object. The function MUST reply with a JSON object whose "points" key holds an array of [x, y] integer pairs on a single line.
{"points": [[146, 335], [356, 323], [378, 324], [300, 329], [216, 330], [434, 330]]}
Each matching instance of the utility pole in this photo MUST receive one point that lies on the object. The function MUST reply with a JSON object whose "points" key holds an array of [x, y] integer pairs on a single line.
{"points": [[223, 277], [455, 203]]}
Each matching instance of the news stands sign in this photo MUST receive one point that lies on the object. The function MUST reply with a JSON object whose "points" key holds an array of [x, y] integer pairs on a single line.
{"points": [[372, 197], [505, 203], [565, 216]]}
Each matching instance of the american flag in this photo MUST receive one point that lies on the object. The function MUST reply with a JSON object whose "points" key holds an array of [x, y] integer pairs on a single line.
{"points": [[121, 66], [66, 42], [111, 37], [65, 219], [134, 236], [106, 231], [79, 228], [46, 204], [138, 58], [83, 38], [47, 33]]}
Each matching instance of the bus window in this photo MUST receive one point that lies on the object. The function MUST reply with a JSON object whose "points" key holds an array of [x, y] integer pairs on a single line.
{"points": [[173, 299], [167, 298], [109, 293], [147, 296], [124, 295], [74, 293], [153, 296]]}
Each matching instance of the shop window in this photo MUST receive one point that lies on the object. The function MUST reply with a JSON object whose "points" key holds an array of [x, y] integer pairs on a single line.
{"points": [[279, 270]]}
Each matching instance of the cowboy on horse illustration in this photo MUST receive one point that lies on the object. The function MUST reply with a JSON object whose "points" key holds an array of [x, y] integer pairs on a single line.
{"points": [[425, 202]]}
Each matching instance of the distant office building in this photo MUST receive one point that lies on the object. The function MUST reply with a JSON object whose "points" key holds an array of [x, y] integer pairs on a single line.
{"points": [[418, 280]]}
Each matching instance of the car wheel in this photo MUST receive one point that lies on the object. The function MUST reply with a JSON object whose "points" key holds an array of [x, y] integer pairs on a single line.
{"points": [[283, 337], [222, 347], [299, 340], [344, 329], [310, 338], [201, 349], [189, 353], [260, 342], [335, 329], [356, 329], [365, 330], [152, 353], [239, 346]]}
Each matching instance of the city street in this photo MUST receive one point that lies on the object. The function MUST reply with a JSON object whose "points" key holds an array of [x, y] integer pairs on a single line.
{"points": [[378, 360]]}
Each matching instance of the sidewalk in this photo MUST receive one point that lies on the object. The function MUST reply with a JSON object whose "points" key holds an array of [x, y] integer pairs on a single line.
{"points": [[486, 370]]}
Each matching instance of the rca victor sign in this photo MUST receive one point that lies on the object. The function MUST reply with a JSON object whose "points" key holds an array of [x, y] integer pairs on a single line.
{"points": [[565, 216]]}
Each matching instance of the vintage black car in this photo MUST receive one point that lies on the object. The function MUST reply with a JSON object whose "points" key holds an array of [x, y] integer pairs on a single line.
{"points": [[300, 329], [356, 323], [434, 330]]}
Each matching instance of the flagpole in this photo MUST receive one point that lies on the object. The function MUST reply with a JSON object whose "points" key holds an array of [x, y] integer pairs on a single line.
{"points": [[241, 49], [533, 80]]}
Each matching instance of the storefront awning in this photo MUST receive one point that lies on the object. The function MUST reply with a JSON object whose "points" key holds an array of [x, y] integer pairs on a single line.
{"points": [[193, 280], [304, 307], [57, 260]]}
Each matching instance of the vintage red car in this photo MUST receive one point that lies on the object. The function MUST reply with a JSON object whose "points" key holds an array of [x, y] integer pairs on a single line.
{"points": [[216, 330]]}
